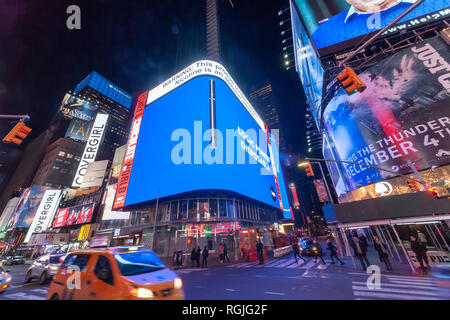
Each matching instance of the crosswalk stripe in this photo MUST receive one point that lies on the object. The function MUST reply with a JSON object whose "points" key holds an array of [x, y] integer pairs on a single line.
{"points": [[383, 284], [309, 265], [323, 266], [429, 284], [394, 290], [249, 265], [412, 280], [390, 296], [296, 265], [273, 263], [243, 265], [282, 265], [408, 277]]}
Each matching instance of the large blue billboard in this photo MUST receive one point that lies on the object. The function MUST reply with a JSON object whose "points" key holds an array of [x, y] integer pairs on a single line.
{"points": [[197, 132], [336, 22]]}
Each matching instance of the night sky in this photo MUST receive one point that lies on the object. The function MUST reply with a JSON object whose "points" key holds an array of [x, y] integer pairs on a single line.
{"points": [[137, 44]]}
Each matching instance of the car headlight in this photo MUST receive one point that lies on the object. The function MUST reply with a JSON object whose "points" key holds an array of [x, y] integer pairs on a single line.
{"points": [[178, 283], [141, 292], [53, 268]]}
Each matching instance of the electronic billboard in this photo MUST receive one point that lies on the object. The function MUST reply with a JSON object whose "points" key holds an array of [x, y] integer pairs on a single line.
{"points": [[340, 24], [307, 62], [197, 131], [401, 118]]}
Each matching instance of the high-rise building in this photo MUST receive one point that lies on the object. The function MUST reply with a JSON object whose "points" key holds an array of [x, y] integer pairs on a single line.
{"points": [[264, 101], [59, 164], [111, 100]]}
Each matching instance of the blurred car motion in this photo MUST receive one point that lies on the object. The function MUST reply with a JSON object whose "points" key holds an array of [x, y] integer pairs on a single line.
{"points": [[12, 260], [121, 273], [441, 273], [5, 279], [44, 268]]}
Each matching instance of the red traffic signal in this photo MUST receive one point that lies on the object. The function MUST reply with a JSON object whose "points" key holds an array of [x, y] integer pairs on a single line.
{"points": [[309, 171], [17, 134], [413, 186], [432, 190], [351, 82]]}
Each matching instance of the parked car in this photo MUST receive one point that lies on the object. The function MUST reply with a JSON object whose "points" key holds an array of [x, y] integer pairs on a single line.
{"points": [[5, 279], [44, 268], [122, 273], [11, 260]]}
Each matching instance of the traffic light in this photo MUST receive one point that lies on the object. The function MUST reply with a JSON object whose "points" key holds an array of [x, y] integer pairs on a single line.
{"points": [[309, 171], [432, 190], [351, 82], [17, 134], [413, 186]]}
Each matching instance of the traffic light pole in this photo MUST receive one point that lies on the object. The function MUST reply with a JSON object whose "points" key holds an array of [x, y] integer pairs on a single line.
{"points": [[402, 15], [23, 118], [366, 165]]}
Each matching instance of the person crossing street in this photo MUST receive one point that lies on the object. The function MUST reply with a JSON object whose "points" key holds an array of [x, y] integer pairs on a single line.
{"points": [[333, 252], [296, 251]]}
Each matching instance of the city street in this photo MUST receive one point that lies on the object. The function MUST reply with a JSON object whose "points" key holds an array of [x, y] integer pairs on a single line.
{"points": [[277, 279]]}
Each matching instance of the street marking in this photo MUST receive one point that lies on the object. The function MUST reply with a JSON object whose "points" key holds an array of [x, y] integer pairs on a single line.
{"points": [[232, 290], [275, 293], [390, 296], [272, 263], [243, 265], [39, 291], [23, 296], [323, 266], [296, 265], [390, 276], [251, 264], [282, 265], [309, 265], [393, 290], [424, 287], [430, 284]]}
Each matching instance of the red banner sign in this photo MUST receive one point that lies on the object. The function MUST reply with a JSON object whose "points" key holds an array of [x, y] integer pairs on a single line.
{"points": [[122, 185]]}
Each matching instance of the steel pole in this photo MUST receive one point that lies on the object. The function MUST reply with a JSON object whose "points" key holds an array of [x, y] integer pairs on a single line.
{"points": [[404, 250], [395, 247], [154, 223]]}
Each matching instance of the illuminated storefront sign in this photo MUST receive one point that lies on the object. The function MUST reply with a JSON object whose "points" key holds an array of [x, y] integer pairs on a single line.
{"points": [[74, 215], [91, 149], [44, 214]]}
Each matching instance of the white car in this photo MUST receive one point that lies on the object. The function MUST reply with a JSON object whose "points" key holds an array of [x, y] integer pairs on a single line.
{"points": [[44, 268]]}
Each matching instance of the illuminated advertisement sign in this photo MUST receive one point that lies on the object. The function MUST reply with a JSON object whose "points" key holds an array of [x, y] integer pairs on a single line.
{"points": [[45, 212], [401, 118], [108, 214], [91, 148], [79, 129], [333, 22], [26, 207], [75, 107], [74, 215], [307, 62], [216, 141]]}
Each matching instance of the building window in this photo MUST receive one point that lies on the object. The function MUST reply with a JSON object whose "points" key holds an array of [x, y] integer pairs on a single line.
{"points": [[62, 154], [230, 209], [69, 156], [77, 158], [222, 208]]}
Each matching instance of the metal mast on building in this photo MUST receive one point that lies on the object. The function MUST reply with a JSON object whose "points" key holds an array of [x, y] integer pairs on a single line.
{"points": [[212, 30]]}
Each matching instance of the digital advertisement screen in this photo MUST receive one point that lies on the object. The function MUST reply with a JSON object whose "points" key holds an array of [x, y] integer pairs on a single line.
{"points": [[79, 129], [401, 118], [73, 106], [74, 215], [334, 22], [307, 62], [26, 208], [173, 149]]}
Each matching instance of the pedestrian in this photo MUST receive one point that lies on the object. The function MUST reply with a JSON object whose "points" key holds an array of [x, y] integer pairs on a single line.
{"points": [[296, 251], [225, 252], [364, 240], [382, 252], [317, 251], [333, 252], [421, 252], [260, 252], [360, 251], [205, 254], [197, 256], [193, 256], [422, 238], [221, 249]]}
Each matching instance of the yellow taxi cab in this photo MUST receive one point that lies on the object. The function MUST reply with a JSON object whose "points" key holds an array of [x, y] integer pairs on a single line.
{"points": [[121, 273], [5, 279]]}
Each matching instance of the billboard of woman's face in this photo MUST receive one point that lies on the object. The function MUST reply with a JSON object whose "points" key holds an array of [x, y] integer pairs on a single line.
{"points": [[372, 5]]}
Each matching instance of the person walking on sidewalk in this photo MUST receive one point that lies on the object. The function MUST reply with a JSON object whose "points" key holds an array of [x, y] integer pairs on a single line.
{"points": [[317, 252], [333, 252], [296, 251], [193, 256], [382, 252], [363, 238], [197, 256], [360, 251], [221, 249], [205, 254], [225, 252], [421, 252], [260, 252]]}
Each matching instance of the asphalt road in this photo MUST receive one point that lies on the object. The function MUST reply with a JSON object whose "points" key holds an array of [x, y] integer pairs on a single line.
{"points": [[277, 279]]}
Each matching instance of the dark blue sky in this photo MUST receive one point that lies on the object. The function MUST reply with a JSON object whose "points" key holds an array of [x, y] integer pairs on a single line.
{"points": [[137, 44]]}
